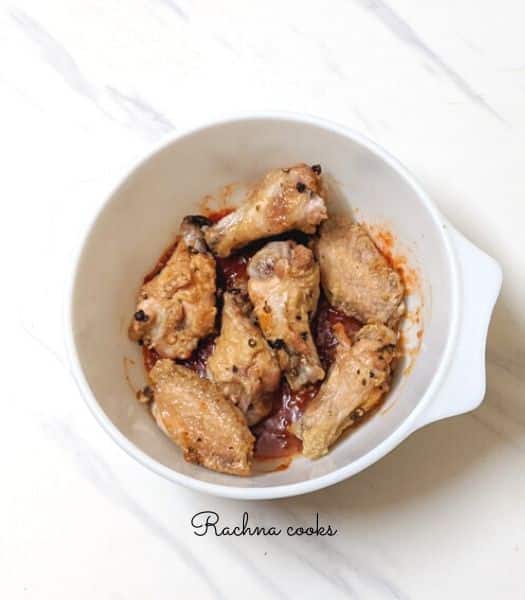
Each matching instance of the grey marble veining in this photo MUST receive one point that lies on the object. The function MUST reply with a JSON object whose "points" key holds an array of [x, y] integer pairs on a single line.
{"points": [[404, 32], [130, 110]]}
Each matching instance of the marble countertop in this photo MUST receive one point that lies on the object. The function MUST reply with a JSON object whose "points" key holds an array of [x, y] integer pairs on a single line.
{"points": [[86, 86]]}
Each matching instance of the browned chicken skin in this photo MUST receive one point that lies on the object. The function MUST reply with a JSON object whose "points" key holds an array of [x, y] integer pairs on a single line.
{"points": [[211, 431], [177, 307], [355, 383], [283, 200], [356, 277], [242, 363], [265, 326], [284, 288]]}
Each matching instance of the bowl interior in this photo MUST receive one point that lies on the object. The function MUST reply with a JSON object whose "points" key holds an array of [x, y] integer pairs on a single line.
{"points": [[142, 216]]}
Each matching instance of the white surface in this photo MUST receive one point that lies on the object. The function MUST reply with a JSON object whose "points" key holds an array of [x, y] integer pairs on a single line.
{"points": [[85, 87]]}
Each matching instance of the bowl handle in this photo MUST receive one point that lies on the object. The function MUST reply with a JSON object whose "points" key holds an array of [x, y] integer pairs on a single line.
{"points": [[480, 282]]}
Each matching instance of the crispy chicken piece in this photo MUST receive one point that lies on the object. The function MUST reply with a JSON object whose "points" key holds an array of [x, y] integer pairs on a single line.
{"points": [[283, 285], [177, 307], [283, 200], [211, 431], [356, 382], [242, 363], [355, 276]]}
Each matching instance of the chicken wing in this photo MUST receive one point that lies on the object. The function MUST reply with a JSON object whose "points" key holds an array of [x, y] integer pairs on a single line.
{"points": [[356, 382], [283, 200], [242, 363], [177, 307], [355, 276], [211, 431], [283, 286]]}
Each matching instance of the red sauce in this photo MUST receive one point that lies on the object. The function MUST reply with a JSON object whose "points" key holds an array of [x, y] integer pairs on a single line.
{"points": [[197, 361], [273, 440], [150, 357], [232, 272], [322, 327]]}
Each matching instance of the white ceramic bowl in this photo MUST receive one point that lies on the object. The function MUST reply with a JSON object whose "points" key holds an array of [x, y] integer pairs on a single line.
{"points": [[459, 285]]}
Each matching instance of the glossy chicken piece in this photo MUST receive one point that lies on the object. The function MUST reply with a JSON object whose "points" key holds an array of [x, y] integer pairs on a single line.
{"points": [[242, 363], [356, 277], [356, 382], [211, 431], [283, 286], [283, 200], [177, 307]]}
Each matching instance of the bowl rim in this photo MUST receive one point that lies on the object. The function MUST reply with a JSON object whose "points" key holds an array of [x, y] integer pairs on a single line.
{"points": [[310, 485]]}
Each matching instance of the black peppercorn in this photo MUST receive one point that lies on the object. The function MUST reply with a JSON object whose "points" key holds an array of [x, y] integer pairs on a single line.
{"points": [[140, 315], [277, 344]]}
